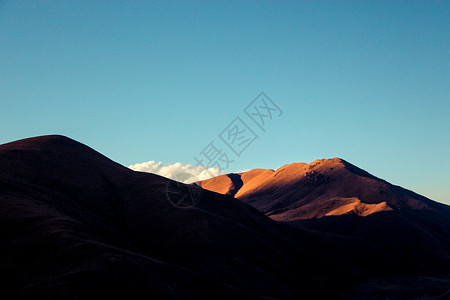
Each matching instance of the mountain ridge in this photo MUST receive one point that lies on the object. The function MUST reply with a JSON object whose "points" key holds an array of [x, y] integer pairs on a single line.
{"points": [[321, 176]]}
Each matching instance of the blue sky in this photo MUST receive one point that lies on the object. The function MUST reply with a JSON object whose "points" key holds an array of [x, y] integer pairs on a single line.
{"points": [[367, 81]]}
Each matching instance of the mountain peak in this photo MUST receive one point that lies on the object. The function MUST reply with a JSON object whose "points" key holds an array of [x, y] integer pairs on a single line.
{"points": [[56, 155], [44, 141], [329, 162]]}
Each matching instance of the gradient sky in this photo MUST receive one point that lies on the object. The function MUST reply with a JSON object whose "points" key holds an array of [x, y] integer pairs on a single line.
{"points": [[367, 81]]}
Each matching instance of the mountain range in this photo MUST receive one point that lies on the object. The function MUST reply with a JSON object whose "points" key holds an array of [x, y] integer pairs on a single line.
{"points": [[76, 225]]}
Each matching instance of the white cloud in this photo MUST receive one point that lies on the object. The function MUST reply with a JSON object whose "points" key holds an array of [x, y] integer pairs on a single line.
{"points": [[185, 173]]}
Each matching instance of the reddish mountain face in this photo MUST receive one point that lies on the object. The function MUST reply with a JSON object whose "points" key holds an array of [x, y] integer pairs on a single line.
{"points": [[75, 224], [327, 187]]}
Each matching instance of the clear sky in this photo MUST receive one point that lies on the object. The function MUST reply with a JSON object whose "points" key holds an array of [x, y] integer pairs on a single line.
{"points": [[367, 81]]}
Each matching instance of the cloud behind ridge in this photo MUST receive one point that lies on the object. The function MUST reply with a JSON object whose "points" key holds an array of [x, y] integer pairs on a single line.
{"points": [[186, 173]]}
